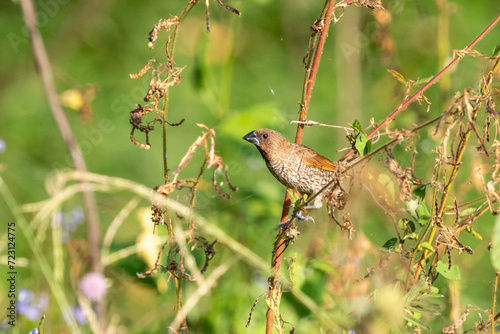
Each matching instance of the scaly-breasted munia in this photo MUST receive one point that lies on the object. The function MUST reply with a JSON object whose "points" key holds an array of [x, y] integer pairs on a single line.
{"points": [[296, 166]]}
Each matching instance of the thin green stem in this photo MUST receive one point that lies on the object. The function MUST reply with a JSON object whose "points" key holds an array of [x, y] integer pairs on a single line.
{"points": [[178, 292], [429, 225], [193, 194], [456, 164], [170, 56], [170, 52]]}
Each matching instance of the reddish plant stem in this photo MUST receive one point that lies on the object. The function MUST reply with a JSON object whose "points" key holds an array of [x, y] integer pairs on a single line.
{"points": [[310, 78], [279, 248], [313, 70], [427, 85]]}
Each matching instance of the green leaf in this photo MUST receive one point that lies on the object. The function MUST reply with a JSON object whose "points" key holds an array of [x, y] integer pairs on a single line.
{"points": [[434, 291], [428, 297], [357, 126], [423, 214], [452, 273], [417, 312], [474, 233], [390, 243], [427, 246], [419, 191], [362, 144], [418, 210], [496, 50], [402, 223], [419, 308], [411, 236], [294, 198], [422, 81], [414, 321], [495, 241], [406, 225], [467, 212], [368, 147], [411, 207]]}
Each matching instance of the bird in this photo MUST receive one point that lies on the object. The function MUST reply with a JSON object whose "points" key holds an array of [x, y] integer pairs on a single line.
{"points": [[294, 165]]}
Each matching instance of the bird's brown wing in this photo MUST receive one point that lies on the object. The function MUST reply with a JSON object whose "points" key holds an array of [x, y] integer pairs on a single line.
{"points": [[314, 159]]}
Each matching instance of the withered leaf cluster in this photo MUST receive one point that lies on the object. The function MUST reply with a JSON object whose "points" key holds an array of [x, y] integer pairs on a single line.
{"points": [[211, 160], [163, 76], [176, 266], [180, 243]]}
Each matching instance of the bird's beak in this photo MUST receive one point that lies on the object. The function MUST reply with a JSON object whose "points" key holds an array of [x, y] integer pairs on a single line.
{"points": [[252, 137]]}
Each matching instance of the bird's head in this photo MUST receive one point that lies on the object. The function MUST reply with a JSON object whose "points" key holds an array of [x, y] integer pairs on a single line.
{"points": [[266, 140]]}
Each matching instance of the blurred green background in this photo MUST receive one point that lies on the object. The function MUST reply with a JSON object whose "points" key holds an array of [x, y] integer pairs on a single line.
{"points": [[247, 73]]}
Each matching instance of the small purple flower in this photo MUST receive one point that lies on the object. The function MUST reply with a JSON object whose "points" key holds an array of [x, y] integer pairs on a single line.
{"points": [[77, 215], [30, 306], [69, 221], [94, 286], [25, 296], [34, 331], [3, 145], [79, 315]]}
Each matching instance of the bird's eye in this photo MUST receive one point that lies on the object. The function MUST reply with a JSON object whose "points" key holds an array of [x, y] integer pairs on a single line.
{"points": [[265, 136]]}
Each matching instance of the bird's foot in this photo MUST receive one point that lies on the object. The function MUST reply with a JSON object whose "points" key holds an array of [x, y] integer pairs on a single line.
{"points": [[296, 214], [282, 225]]}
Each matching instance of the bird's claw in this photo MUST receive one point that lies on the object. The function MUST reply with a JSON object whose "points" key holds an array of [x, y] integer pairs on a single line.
{"points": [[283, 225], [296, 214]]}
